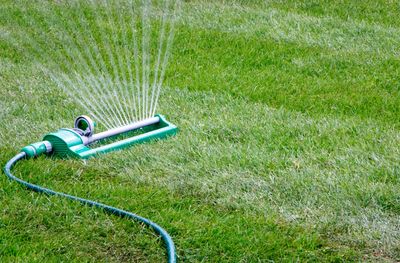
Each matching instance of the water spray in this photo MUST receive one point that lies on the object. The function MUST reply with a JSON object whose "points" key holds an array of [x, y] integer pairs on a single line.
{"points": [[82, 142]]}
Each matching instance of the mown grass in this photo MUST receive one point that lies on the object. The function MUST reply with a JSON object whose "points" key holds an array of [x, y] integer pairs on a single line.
{"points": [[288, 115]]}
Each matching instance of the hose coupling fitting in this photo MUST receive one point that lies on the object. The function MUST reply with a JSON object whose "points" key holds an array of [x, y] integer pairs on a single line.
{"points": [[38, 148]]}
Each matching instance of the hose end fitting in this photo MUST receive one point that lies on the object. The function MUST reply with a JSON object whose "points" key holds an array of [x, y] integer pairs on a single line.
{"points": [[36, 149]]}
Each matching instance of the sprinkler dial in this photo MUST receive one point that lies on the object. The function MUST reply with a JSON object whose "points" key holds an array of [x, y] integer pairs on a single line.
{"points": [[84, 125]]}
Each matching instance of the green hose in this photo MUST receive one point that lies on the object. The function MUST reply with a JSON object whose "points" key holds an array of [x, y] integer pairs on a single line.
{"points": [[169, 244]]}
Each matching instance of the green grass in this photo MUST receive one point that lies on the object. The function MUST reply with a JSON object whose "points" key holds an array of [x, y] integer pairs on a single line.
{"points": [[289, 121]]}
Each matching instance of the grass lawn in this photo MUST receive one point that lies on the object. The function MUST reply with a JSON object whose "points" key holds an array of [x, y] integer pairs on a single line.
{"points": [[289, 117]]}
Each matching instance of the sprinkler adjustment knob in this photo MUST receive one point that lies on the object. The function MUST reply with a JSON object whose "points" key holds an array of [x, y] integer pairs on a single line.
{"points": [[84, 125]]}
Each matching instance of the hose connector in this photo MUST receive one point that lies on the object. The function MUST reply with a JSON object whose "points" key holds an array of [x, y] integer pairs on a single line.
{"points": [[36, 149]]}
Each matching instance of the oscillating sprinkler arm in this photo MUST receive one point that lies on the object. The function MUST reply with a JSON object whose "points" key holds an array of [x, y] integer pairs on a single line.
{"points": [[107, 134]]}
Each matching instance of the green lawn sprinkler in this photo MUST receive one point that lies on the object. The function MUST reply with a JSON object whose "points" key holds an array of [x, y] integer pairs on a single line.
{"points": [[81, 142], [78, 142]]}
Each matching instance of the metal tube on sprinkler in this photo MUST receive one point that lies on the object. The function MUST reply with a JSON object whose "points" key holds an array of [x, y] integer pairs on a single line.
{"points": [[123, 129]]}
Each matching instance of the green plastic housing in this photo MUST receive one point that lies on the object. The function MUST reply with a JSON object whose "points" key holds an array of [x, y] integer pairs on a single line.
{"points": [[68, 143]]}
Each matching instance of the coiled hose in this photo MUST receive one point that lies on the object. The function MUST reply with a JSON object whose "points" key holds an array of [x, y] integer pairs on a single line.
{"points": [[169, 244]]}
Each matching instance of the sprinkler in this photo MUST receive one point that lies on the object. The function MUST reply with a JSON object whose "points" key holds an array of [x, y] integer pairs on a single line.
{"points": [[79, 142], [82, 142]]}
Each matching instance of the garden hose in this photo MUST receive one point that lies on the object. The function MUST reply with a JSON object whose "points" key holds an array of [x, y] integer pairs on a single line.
{"points": [[169, 244]]}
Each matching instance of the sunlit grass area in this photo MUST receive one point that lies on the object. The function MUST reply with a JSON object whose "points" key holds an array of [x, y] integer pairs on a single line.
{"points": [[287, 151]]}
